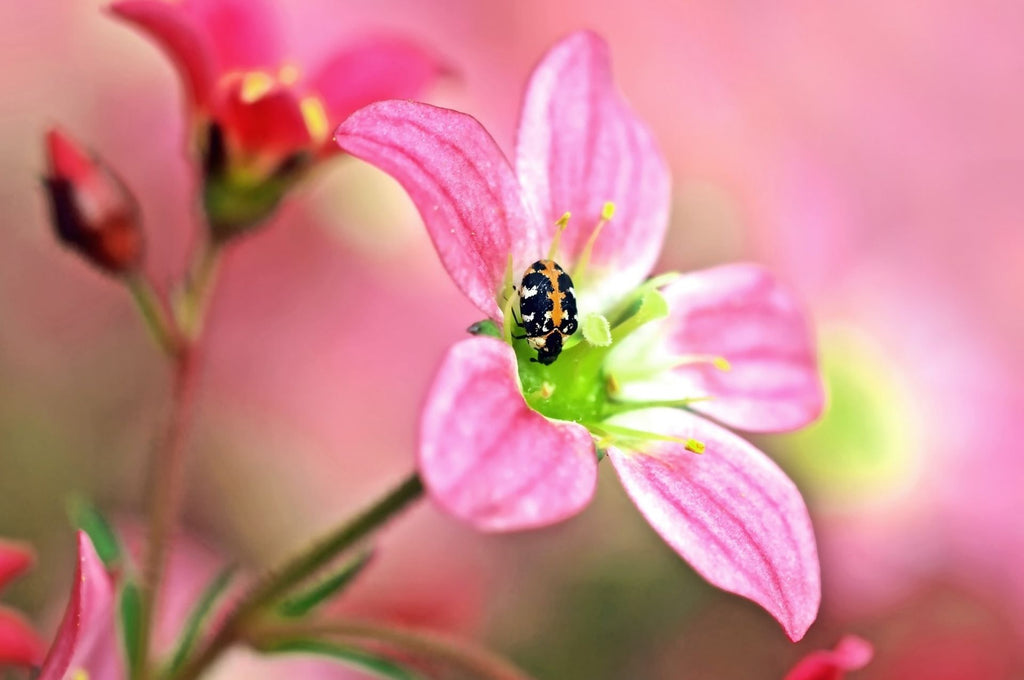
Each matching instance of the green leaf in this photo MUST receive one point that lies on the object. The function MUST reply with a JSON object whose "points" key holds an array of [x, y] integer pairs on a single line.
{"points": [[302, 603], [198, 616], [131, 625], [485, 327], [352, 656], [596, 330], [85, 516]]}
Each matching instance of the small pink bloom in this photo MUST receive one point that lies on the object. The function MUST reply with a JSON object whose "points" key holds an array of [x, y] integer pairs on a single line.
{"points": [[507, 443], [850, 654], [19, 644], [92, 210], [87, 639]]}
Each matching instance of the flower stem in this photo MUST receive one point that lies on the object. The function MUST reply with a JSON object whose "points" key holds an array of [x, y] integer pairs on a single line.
{"points": [[474, 661], [278, 582], [165, 487], [154, 313]]}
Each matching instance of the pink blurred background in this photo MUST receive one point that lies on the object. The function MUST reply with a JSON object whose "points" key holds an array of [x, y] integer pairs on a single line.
{"points": [[872, 153]]}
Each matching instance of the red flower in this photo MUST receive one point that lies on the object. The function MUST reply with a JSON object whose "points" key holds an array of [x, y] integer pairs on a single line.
{"points": [[92, 209], [19, 644]]}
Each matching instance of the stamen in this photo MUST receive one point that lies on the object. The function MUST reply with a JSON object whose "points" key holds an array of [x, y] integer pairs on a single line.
{"points": [[719, 362], [695, 446], [560, 226], [316, 118], [255, 86], [289, 74], [607, 212]]}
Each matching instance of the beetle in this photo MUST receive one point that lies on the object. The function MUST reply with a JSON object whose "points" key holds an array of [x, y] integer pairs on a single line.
{"points": [[547, 305]]}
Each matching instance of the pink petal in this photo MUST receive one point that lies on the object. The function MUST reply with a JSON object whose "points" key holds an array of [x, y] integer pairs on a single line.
{"points": [[272, 123], [19, 644], [851, 654], [87, 637], [731, 513], [462, 185], [182, 37], [15, 558], [579, 146], [740, 312], [488, 458], [244, 33], [375, 69]]}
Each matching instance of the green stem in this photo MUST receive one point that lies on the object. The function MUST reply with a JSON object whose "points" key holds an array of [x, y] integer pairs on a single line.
{"points": [[277, 583], [154, 313], [476, 662], [202, 274]]}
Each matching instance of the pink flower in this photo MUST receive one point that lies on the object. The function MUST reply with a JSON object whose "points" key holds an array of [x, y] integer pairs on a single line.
{"points": [[507, 443], [19, 644], [260, 116], [850, 654], [87, 640]]}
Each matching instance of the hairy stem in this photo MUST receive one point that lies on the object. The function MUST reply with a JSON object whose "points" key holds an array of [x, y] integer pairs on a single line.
{"points": [[278, 582]]}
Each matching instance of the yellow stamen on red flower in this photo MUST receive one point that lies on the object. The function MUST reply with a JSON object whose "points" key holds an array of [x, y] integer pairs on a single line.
{"points": [[315, 115], [255, 86], [695, 446], [80, 674], [289, 74]]}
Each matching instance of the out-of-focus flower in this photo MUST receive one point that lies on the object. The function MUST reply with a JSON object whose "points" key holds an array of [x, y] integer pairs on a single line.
{"points": [[260, 117], [87, 644], [850, 654], [507, 442], [92, 210], [19, 644]]}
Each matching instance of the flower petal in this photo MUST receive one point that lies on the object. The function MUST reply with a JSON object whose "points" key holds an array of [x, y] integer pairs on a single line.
{"points": [[462, 185], [851, 653], [488, 458], [244, 33], [739, 312], [19, 644], [270, 123], [87, 637], [579, 146], [183, 38], [15, 558], [731, 513], [373, 70]]}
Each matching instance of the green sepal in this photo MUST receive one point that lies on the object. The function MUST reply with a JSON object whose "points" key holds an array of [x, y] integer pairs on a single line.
{"points": [[87, 517], [361, 659], [596, 330], [130, 609], [302, 603], [198, 617], [485, 327]]}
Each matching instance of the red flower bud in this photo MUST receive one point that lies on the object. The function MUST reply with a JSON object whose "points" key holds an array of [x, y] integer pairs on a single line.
{"points": [[92, 209]]}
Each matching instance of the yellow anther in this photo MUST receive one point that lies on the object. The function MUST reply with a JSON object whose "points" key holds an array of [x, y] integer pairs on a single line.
{"points": [[80, 674], [721, 363], [695, 446], [608, 211], [546, 390], [611, 384], [255, 86], [316, 118], [289, 74], [560, 226]]}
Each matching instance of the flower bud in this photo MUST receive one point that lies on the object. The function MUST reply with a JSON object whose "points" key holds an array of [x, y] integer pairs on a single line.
{"points": [[91, 208]]}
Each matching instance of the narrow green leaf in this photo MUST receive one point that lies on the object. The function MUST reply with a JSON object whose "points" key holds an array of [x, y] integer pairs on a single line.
{"points": [[198, 617], [302, 603], [85, 516], [131, 626], [352, 656], [485, 327]]}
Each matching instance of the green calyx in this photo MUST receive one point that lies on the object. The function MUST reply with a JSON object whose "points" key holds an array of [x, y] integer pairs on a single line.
{"points": [[577, 387]]}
